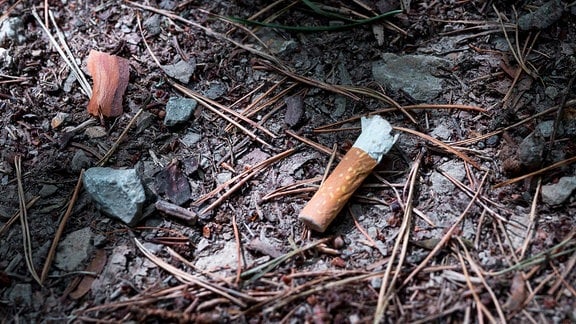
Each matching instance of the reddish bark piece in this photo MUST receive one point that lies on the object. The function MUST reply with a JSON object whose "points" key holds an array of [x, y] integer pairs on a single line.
{"points": [[110, 74]]}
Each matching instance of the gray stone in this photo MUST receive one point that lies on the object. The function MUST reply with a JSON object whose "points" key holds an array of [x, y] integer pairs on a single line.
{"points": [[74, 250], [181, 71], [80, 161], [152, 24], [69, 82], [12, 29], [376, 282], [275, 43], [144, 121], [47, 190], [558, 193], [414, 74], [543, 17], [100, 240], [223, 177], [95, 132], [190, 139], [215, 260], [442, 131], [545, 128], [530, 150], [441, 184], [215, 91], [551, 92], [118, 193], [21, 294], [179, 110]]}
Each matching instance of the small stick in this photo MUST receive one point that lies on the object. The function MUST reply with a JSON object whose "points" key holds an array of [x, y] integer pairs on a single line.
{"points": [[374, 141], [176, 211], [61, 227]]}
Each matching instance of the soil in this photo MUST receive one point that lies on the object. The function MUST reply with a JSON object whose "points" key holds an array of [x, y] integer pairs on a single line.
{"points": [[410, 244]]}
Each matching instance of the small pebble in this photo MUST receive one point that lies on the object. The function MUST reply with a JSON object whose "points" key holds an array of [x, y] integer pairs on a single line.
{"points": [[95, 132], [493, 141], [59, 119], [47, 191]]}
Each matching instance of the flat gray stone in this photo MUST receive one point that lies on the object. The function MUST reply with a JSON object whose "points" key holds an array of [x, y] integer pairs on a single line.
{"points": [[47, 190], [543, 17], [441, 184], [558, 193], [190, 139], [181, 71], [215, 91], [118, 193], [414, 74], [152, 25], [442, 131], [179, 110], [74, 250]]}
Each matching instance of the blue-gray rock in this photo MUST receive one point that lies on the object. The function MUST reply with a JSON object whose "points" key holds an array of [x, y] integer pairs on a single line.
{"points": [[12, 29], [74, 250], [181, 71], [152, 25], [215, 91], [179, 110], [118, 193], [546, 127], [543, 17], [414, 74], [558, 193], [190, 139]]}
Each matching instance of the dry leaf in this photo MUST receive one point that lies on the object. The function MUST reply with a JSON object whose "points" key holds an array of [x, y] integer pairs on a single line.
{"points": [[518, 293], [96, 266], [110, 74], [174, 183]]}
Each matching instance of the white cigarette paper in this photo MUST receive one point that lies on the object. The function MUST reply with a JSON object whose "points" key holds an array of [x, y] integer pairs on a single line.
{"points": [[374, 142]]}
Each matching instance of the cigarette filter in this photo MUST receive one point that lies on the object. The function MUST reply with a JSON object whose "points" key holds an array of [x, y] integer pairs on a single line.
{"points": [[374, 141]]}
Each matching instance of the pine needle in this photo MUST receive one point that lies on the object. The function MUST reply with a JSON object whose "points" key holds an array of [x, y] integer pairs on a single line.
{"points": [[65, 53], [26, 239], [388, 286]]}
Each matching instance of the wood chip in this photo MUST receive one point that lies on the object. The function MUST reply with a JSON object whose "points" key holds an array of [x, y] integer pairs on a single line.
{"points": [[110, 74]]}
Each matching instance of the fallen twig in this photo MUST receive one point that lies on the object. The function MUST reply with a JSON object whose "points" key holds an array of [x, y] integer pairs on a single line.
{"points": [[188, 216], [58, 235]]}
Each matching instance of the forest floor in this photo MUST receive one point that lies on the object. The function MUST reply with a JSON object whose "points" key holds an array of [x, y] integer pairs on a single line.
{"points": [[469, 218]]}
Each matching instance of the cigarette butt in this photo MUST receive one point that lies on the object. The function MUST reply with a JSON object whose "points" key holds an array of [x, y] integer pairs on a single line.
{"points": [[374, 141], [337, 189]]}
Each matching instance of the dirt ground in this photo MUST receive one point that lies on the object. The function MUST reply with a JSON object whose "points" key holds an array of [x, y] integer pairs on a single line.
{"points": [[469, 218]]}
